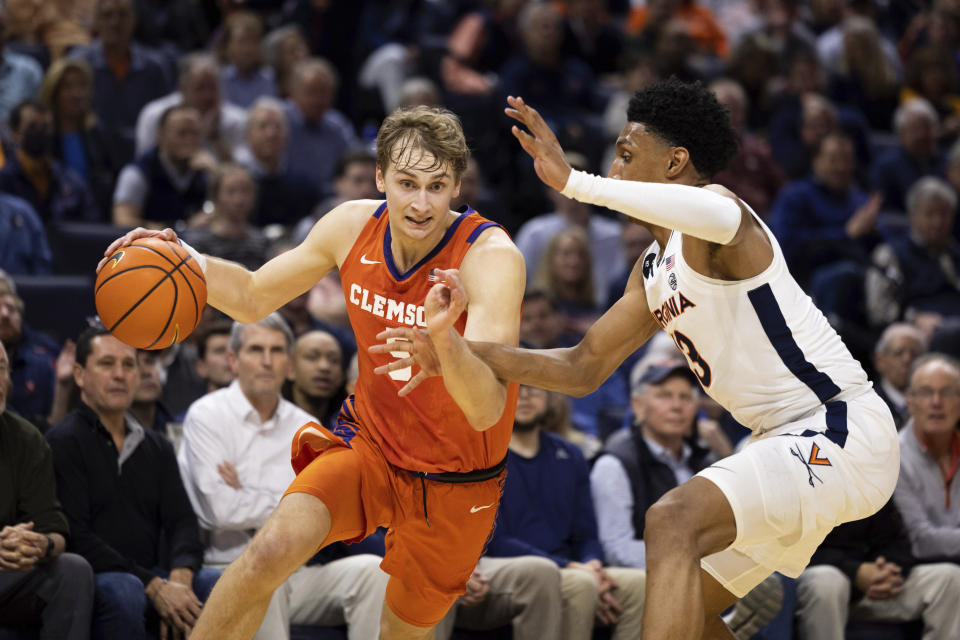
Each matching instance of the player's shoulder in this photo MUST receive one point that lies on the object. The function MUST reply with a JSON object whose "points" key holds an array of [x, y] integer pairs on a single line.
{"points": [[354, 211], [493, 254], [493, 239]]}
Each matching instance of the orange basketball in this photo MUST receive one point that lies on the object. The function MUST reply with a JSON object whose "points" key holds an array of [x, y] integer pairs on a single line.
{"points": [[150, 294]]}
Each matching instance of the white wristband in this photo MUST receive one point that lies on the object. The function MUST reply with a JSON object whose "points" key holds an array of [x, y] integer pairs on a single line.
{"points": [[693, 211], [199, 257]]}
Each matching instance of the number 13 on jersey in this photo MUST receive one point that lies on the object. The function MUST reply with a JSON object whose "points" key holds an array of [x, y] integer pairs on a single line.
{"points": [[699, 366]]}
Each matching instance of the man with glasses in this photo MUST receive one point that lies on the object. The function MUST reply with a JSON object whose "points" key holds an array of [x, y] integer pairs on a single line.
{"points": [[926, 493]]}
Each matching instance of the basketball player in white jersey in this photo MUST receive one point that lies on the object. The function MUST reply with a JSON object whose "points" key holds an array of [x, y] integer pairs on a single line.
{"points": [[824, 447]]}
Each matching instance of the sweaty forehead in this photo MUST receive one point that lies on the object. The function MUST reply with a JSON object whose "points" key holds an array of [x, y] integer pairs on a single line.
{"points": [[417, 161], [637, 134]]}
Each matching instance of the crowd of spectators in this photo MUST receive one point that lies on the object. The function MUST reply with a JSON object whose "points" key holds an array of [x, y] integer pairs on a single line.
{"points": [[240, 124]]}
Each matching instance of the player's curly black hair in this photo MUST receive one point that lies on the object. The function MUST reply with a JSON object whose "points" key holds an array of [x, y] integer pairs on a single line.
{"points": [[687, 115]]}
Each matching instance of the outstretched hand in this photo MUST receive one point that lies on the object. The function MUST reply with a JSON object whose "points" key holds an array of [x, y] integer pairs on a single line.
{"points": [[136, 234], [416, 344], [541, 143]]}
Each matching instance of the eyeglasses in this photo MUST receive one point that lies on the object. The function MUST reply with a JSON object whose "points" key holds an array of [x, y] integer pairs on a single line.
{"points": [[926, 393]]}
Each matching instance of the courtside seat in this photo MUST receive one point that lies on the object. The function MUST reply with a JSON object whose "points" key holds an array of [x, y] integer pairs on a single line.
{"points": [[58, 305], [77, 247]]}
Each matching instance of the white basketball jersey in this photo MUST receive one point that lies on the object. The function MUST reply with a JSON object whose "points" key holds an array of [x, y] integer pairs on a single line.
{"points": [[760, 347]]}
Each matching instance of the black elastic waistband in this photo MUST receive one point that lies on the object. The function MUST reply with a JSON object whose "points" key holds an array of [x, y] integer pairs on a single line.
{"points": [[454, 477]]}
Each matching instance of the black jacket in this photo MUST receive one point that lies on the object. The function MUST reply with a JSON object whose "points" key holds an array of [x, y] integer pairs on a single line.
{"points": [[649, 477], [135, 518]]}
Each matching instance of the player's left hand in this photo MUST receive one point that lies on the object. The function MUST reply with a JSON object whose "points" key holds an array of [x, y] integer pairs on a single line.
{"points": [[541, 144], [414, 342], [446, 301]]}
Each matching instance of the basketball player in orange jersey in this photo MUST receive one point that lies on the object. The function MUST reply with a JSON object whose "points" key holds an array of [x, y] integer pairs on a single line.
{"points": [[428, 465]]}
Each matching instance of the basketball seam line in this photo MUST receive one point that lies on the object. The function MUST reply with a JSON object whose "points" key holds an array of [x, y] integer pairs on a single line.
{"points": [[167, 258], [193, 294], [126, 269], [146, 295], [173, 307]]}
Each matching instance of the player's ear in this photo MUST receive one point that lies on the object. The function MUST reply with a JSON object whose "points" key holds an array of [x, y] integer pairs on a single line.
{"points": [[381, 185], [677, 161]]}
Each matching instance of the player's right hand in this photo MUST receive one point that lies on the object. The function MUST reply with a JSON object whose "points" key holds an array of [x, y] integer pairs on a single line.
{"points": [[135, 234]]}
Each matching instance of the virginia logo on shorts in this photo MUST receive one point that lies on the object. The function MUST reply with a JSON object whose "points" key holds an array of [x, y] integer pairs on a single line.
{"points": [[813, 459]]}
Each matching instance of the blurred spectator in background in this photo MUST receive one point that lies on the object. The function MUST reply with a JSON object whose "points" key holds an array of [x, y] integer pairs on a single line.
{"points": [[639, 70], [317, 377], [898, 348], [225, 230], [865, 75], [559, 85], [20, 75], [699, 21], [129, 514], [146, 407], [54, 191], [80, 142], [283, 48], [418, 91], [213, 363], [864, 570], [31, 355], [926, 494], [565, 273], [319, 134], [168, 183], [479, 45], [23, 241], [475, 193], [243, 77], [283, 195], [916, 155], [40, 585], [634, 239], [825, 218], [781, 28], [126, 75], [547, 511], [932, 75], [221, 123], [641, 464], [355, 179], [915, 274], [751, 173], [603, 234], [540, 325], [590, 35]]}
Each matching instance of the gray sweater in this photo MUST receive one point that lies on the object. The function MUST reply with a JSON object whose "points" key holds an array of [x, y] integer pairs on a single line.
{"points": [[920, 496]]}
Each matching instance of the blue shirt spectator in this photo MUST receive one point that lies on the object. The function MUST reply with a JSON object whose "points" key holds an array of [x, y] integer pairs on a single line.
{"points": [[546, 509], [824, 218], [23, 242], [33, 174], [243, 90], [20, 78], [126, 76], [319, 135], [916, 154], [32, 355]]}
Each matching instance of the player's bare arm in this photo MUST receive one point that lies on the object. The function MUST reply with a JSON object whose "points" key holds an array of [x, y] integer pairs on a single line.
{"points": [[575, 371], [490, 286], [248, 296], [726, 241]]}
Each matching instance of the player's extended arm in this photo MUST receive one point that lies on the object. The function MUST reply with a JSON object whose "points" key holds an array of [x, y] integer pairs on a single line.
{"points": [[693, 211], [248, 296], [492, 276], [580, 369]]}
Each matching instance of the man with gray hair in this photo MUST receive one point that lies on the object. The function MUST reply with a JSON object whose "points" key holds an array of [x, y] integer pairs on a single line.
{"points": [[899, 346], [283, 196], [916, 275], [917, 125], [319, 134], [235, 462], [198, 86], [926, 493]]}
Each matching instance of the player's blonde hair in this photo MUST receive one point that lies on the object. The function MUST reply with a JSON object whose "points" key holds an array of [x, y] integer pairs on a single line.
{"points": [[429, 129]]}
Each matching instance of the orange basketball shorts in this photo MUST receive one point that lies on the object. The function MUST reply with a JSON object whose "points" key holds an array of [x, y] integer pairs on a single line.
{"points": [[436, 530]]}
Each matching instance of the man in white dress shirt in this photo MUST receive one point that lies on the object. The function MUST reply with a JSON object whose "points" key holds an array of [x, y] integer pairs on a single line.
{"points": [[235, 461]]}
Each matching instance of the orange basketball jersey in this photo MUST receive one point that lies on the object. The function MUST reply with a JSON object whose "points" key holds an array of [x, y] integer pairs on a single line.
{"points": [[425, 430]]}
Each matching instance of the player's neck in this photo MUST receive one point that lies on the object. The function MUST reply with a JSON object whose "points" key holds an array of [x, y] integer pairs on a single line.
{"points": [[525, 444], [408, 251]]}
